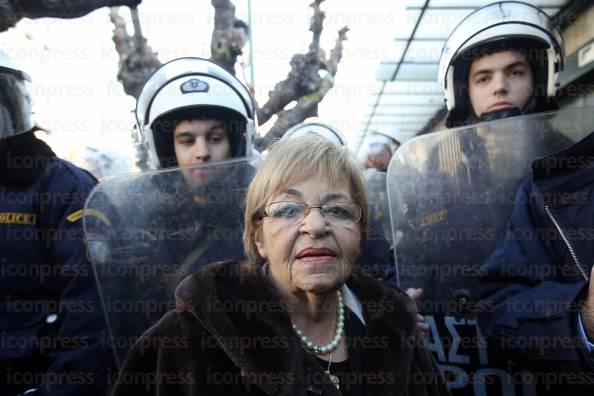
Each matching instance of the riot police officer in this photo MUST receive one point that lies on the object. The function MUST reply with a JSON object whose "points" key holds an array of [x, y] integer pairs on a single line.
{"points": [[501, 60], [197, 122], [377, 150], [499, 64], [535, 284], [51, 320], [192, 112]]}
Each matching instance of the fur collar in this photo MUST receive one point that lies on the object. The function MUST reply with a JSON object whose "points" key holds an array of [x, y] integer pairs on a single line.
{"points": [[235, 301]]}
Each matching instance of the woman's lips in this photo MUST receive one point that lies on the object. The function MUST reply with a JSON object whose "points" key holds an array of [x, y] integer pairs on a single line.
{"points": [[316, 255], [317, 259], [315, 252]]}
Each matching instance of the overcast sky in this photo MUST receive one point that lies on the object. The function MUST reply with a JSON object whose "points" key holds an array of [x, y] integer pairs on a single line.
{"points": [[73, 63]]}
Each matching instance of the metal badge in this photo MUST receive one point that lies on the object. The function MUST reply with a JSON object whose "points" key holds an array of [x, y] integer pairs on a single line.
{"points": [[194, 85]]}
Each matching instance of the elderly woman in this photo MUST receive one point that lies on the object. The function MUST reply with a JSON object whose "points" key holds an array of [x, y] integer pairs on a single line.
{"points": [[294, 319]]}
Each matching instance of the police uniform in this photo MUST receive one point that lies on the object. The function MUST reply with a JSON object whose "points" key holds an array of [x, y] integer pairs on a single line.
{"points": [[51, 318]]}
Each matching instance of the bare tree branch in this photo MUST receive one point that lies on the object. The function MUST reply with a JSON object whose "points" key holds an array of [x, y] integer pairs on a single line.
{"points": [[12, 11], [307, 105], [310, 78], [303, 77], [316, 26], [137, 59], [285, 91], [336, 53], [228, 37]]}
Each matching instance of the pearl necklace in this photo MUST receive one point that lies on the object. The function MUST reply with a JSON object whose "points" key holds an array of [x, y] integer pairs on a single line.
{"points": [[332, 345]]}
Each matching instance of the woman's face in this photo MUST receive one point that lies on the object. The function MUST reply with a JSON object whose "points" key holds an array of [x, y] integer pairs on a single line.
{"points": [[314, 253]]}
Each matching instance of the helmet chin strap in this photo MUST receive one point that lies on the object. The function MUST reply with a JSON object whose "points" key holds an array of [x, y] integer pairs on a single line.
{"points": [[533, 105], [500, 114]]}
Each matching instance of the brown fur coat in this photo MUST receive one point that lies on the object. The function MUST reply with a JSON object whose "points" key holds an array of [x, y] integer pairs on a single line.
{"points": [[231, 335]]}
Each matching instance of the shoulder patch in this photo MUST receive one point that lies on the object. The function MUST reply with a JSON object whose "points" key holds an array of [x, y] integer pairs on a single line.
{"points": [[74, 216], [18, 218]]}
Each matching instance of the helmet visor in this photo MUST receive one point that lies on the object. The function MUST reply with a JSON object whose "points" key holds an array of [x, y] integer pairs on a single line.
{"points": [[15, 106]]}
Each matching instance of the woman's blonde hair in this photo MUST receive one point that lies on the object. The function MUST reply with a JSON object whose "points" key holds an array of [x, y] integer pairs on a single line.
{"points": [[291, 161]]}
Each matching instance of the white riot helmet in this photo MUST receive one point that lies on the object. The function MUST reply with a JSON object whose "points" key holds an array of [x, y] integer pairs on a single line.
{"points": [[377, 147], [376, 142], [507, 25], [374, 138], [316, 128], [16, 116], [190, 88]]}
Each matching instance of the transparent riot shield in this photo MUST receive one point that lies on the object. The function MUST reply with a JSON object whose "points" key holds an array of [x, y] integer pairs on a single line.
{"points": [[146, 232], [451, 194], [377, 257], [377, 190]]}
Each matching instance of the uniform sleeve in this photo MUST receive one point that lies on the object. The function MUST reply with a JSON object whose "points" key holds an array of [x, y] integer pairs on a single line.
{"points": [[79, 355], [529, 309]]}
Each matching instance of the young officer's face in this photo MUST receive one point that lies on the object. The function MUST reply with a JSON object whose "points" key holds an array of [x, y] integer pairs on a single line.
{"points": [[199, 142], [499, 81]]}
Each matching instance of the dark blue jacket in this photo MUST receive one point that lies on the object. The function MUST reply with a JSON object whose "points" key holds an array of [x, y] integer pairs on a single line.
{"points": [[532, 284], [51, 322]]}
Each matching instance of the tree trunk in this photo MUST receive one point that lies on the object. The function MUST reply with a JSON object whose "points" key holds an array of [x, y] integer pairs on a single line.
{"points": [[137, 59], [228, 37]]}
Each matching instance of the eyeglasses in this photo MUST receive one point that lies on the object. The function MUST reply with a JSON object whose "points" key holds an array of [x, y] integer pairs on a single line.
{"points": [[340, 213]]}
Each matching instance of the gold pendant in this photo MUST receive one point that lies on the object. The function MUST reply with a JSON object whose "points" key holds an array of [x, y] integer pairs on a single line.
{"points": [[333, 378]]}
